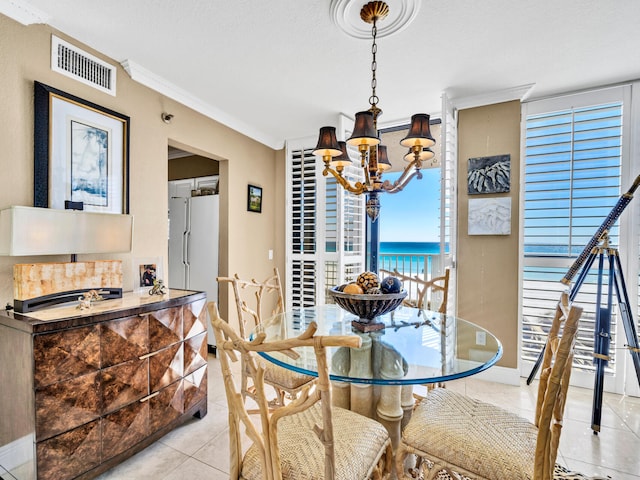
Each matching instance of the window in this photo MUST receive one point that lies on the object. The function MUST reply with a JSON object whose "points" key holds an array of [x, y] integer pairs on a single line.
{"points": [[574, 158]]}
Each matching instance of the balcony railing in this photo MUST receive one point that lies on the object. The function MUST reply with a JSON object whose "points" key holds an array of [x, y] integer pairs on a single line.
{"points": [[414, 265], [425, 266]]}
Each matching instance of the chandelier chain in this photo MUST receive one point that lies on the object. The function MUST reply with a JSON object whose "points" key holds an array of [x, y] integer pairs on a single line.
{"points": [[373, 100]]}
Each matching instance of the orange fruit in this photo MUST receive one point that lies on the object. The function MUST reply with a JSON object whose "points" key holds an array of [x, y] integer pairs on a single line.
{"points": [[353, 289]]}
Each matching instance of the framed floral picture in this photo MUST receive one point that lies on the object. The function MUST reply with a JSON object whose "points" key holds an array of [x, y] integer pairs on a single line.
{"points": [[81, 153]]}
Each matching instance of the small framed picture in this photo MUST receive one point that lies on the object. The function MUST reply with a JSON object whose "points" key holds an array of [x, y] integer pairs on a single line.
{"points": [[254, 199], [145, 272]]}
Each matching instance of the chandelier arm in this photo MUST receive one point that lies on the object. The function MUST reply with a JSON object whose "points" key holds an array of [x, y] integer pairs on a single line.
{"points": [[357, 189], [401, 182]]}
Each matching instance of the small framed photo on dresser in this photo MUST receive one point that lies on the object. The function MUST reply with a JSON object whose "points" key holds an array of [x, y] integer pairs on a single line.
{"points": [[145, 273]]}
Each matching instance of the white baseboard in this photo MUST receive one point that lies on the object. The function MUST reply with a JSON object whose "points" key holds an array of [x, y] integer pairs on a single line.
{"points": [[17, 453], [508, 376]]}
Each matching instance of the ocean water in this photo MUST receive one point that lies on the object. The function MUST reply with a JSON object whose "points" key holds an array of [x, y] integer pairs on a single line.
{"points": [[408, 258], [422, 248]]}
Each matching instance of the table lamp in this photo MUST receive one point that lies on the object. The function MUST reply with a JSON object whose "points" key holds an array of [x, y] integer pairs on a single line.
{"points": [[34, 231]]}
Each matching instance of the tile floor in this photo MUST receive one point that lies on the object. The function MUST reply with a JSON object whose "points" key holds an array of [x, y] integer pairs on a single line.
{"points": [[199, 449]]}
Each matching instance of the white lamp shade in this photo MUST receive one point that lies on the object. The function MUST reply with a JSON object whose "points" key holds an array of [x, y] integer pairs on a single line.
{"points": [[32, 231]]}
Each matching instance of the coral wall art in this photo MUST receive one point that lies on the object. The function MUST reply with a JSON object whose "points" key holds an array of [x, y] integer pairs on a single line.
{"points": [[489, 174], [490, 216]]}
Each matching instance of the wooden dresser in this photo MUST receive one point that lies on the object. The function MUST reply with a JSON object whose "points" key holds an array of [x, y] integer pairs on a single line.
{"points": [[82, 390]]}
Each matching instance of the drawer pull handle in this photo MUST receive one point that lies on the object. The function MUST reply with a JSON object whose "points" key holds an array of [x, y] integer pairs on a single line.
{"points": [[142, 357], [149, 397]]}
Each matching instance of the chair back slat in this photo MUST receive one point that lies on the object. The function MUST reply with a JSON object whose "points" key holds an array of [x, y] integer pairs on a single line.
{"points": [[426, 291], [227, 353], [260, 291], [553, 386]]}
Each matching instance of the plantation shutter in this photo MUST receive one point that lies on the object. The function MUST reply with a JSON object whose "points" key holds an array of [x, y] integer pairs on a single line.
{"points": [[325, 229], [303, 221], [573, 160], [448, 205]]}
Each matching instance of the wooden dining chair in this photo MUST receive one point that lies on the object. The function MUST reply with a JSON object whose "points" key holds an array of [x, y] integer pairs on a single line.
{"points": [[250, 314], [450, 432], [307, 439], [429, 294]]}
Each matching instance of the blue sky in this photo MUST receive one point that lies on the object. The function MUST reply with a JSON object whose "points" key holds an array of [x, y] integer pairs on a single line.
{"points": [[413, 214]]}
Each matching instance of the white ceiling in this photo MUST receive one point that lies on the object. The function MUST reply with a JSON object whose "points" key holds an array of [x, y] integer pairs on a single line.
{"points": [[281, 69]]}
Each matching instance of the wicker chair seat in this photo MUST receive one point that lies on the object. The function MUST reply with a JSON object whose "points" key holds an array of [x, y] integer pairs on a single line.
{"points": [[359, 443], [473, 435], [288, 379], [477, 437]]}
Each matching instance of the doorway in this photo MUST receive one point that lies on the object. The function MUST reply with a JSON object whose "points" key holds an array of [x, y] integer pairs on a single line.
{"points": [[194, 224]]}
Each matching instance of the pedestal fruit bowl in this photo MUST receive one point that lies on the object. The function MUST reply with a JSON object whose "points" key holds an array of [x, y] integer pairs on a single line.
{"points": [[367, 307]]}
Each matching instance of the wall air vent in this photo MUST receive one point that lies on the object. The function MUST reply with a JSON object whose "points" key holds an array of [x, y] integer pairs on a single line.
{"points": [[73, 62]]}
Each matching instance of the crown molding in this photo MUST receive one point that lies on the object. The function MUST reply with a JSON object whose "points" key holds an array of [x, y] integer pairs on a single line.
{"points": [[175, 153], [22, 12], [498, 96], [161, 85]]}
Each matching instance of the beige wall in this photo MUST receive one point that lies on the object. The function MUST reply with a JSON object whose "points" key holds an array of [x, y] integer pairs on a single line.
{"points": [[191, 167], [487, 273], [245, 237]]}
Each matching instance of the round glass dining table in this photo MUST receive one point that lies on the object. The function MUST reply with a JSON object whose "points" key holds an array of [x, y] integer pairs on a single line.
{"points": [[415, 347], [376, 380]]}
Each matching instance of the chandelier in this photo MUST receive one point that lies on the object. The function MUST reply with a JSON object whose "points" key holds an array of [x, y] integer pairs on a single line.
{"points": [[373, 155]]}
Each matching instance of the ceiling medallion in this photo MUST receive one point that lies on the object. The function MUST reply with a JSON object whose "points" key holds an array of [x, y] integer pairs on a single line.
{"points": [[346, 15]]}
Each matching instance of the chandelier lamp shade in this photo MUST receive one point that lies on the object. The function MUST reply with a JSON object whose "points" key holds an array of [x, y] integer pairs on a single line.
{"points": [[373, 155]]}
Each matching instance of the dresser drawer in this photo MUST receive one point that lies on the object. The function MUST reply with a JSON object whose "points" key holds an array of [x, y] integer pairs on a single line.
{"points": [[166, 406], [195, 387], [166, 366], [69, 454], [165, 328], [124, 428], [123, 339], [194, 318], [66, 354], [124, 383], [195, 353], [68, 404]]}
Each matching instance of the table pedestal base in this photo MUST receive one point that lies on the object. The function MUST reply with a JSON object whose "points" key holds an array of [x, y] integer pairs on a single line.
{"points": [[389, 412], [341, 395], [367, 327], [407, 401]]}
